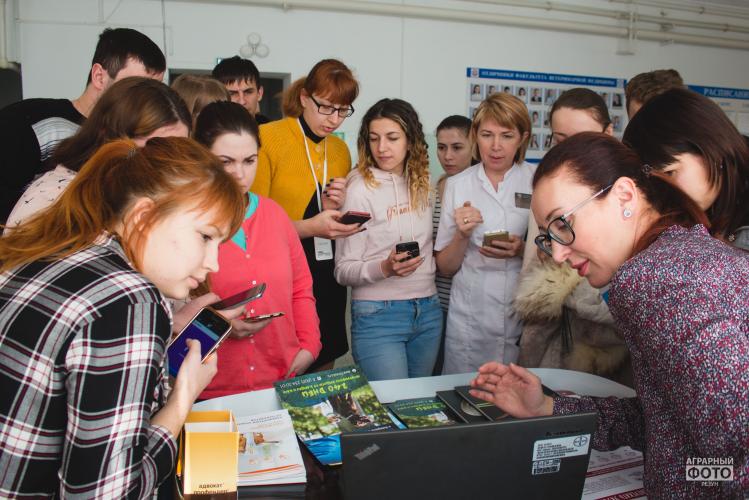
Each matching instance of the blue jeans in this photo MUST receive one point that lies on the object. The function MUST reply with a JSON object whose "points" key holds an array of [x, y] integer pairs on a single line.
{"points": [[393, 339]]}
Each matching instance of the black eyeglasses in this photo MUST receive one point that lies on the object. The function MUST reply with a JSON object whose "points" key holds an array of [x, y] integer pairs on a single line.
{"points": [[560, 229], [327, 109]]}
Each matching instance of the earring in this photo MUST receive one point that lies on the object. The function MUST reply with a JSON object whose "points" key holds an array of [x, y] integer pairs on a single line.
{"points": [[627, 213]]}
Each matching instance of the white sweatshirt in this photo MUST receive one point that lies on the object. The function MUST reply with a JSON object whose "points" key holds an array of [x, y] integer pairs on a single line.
{"points": [[394, 220]]}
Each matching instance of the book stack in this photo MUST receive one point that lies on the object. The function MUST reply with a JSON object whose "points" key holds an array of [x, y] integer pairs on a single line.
{"points": [[322, 405], [268, 450]]}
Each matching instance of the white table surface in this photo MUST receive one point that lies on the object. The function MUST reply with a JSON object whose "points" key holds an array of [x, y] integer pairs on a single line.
{"points": [[387, 391]]}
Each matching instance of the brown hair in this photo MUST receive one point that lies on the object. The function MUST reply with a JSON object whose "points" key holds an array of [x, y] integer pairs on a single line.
{"points": [[329, 78], [132, 107], [417, 158], [175, 173], [645, 86], [681, 121], [198, 91], [508, 111], [597, 160], [585, 100]]}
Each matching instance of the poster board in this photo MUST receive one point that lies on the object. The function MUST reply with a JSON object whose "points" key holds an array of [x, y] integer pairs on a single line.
{"points": [[539, 91], [734, 102]]}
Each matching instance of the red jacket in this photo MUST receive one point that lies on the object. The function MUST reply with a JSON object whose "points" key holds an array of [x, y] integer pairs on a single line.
{"points": [[274, 256]]}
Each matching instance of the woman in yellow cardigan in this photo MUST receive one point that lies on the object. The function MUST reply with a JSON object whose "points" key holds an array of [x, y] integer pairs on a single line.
{"points": [[303, 167]]}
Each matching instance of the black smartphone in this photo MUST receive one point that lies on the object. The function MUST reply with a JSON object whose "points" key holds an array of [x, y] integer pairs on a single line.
{"points": [[207, 327], [241, 298], [352, 217], [261, 317], [411, 247]]}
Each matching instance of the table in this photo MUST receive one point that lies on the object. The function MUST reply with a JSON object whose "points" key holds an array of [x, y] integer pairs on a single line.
{"points": [[388, 391], [324, 483]]}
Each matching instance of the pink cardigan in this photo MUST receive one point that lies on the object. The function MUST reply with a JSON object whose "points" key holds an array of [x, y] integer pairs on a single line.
{"points": [[274, 256]]}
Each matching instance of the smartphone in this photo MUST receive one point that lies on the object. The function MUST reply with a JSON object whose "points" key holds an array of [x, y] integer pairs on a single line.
{"points": [[411, 247], [352, 217], [495, 235], [241, 298], [207, 327], [261, 317]]}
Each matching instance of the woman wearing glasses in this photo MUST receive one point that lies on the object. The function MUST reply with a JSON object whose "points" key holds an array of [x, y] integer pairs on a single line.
{"points": [[680, 299], [710, 162], [491, 196], [302, 167], [566, 323]]}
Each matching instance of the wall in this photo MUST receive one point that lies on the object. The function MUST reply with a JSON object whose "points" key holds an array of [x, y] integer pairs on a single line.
{"points": [[422, 61]]}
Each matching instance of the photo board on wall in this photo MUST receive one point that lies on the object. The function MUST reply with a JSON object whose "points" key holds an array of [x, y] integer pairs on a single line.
{"points": [[539, 91]]}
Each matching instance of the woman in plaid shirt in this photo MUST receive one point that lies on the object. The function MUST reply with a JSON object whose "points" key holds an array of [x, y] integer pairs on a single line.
{"points": [[84, 322]]}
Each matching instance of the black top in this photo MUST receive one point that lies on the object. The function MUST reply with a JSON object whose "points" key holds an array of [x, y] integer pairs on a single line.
{"points": [[30, 130], [309, 133]]}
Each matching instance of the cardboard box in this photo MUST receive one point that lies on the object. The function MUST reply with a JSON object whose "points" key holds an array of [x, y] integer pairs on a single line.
{"points": [[209, 447]]}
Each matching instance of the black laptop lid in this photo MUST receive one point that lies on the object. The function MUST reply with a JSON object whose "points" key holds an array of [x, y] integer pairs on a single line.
{"points": [[541, 458]]}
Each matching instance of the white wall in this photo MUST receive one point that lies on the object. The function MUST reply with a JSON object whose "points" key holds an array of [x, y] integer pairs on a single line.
{"points": [[421, 61]]}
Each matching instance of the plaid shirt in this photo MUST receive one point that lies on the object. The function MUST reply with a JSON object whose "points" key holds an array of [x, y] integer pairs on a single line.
{"points": [[82, 348]]}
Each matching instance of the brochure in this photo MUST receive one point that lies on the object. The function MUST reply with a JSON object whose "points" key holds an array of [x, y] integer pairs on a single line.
{"points": [[423, 412], [322, 405], [268, 450]]}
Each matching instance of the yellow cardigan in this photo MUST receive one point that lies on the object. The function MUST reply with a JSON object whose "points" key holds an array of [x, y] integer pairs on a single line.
{"points": [[283, 172]]}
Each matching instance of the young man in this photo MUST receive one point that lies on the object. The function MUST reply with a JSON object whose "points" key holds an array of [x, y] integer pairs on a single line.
{"points": [[643, 87], [31, 129], [242, 79]]}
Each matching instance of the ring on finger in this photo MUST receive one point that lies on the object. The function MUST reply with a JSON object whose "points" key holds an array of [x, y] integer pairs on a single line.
{"points": [[465, 220]]}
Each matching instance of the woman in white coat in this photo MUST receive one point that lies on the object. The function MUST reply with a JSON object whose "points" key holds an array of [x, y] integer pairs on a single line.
{"points": [[491, 196]]}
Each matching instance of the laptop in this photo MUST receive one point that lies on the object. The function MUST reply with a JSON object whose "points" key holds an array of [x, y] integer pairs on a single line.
{"points": [[533, 458]]}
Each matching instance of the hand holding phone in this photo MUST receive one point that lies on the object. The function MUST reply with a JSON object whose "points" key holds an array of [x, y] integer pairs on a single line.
{"points": [[352, 217], [207, 327], [409, 247], [241, 298]]}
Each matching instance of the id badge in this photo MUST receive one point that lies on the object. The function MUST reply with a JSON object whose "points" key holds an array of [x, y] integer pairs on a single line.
{"points": [[522, 200], [323, 249]]}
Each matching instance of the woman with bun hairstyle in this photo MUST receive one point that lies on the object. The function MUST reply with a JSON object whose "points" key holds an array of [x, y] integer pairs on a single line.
{"points": [[84, 321], [680, 299], [488, 197], [266, 249], [302, 167], [566, 323], [689, 138], [135, 108], [396, 320]]}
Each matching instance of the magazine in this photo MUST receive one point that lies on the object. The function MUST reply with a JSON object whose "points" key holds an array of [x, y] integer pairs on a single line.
{"points": [[423, 412], [322, 405], [268, 450]]}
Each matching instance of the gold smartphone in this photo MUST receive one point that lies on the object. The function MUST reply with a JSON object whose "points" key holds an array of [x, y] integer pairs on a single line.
{"points": [[490, 236]]}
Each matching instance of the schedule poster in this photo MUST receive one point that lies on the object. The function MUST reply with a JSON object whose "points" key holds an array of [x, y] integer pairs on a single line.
{"points": [[734, 102], [539, 91]]}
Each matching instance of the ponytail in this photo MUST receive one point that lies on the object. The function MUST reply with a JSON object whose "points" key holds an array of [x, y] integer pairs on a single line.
{"points": [[291, 103]]}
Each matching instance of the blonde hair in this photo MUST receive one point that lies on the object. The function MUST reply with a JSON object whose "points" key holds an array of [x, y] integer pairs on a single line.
{"points": [[417, 158], [507, 111], [198, 91], [174, 173]]}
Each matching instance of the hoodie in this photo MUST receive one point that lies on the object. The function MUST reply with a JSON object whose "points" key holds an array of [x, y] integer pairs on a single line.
{"points": [[394, 220]]}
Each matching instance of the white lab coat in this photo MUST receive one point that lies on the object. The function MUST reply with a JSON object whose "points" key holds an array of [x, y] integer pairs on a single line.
{"points": [[480, 323]]}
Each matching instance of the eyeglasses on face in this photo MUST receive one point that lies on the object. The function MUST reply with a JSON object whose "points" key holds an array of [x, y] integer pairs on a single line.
{"points": [[327, 109], [560, 229]]}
